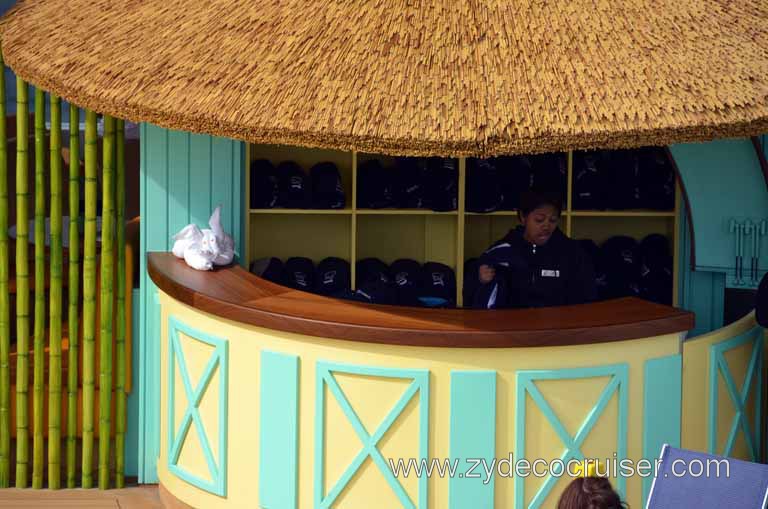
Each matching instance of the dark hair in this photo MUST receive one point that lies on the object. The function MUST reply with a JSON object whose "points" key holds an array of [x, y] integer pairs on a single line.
{"points": [[531, 200], [590, 493]]}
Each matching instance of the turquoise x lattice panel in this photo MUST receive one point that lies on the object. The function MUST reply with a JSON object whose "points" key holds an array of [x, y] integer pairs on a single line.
{"points": [[526, 385], [718, 365], [419, 386], [195, 392]]}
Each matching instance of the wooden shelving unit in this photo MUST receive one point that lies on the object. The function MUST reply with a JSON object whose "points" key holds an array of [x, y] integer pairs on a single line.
{"points": [[425, 235]]}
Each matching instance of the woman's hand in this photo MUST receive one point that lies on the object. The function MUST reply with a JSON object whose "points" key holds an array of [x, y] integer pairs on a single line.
{"points": [[486, 273]]}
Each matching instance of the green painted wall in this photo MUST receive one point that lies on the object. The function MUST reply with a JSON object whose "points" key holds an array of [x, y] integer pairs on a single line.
{"points": [[183, 177]]}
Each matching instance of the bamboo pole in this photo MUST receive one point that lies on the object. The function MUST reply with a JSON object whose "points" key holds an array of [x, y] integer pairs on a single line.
{"points": [[22, 285], [38, 440], [73, 287], [54, 370], [121, 316], [89, 297], [107, 274], [5, 325]]}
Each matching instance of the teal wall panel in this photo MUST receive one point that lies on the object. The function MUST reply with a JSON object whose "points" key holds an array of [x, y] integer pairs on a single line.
{"points": [[222, 189], [700, 292], [472, 437], [662, 407], [133, 420], [704, 167], [278, 430], [178, 171], [179, 192], [200, 177]]}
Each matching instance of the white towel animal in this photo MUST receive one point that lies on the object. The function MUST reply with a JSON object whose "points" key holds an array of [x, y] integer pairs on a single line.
{"points": [[197, 258], [187, 237], [202, 249], [224, 241]]}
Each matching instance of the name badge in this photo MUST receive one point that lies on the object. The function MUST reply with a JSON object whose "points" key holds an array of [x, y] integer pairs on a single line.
{"points": [[550, 273]]}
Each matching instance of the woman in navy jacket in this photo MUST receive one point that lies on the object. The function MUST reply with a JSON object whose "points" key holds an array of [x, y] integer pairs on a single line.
{"points": [[535, 264]]}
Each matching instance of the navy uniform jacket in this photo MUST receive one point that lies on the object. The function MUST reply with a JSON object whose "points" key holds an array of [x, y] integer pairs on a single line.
{"points": [[555, 274]]}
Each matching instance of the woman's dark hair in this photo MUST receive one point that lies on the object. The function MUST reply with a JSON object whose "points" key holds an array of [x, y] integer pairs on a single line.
{"points": [[590, 493], [531, 200]]}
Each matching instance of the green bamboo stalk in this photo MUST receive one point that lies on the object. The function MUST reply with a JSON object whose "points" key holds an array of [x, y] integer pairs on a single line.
{"points": [[54, 370], [74, 284], [89, 297], [5, 325], [121, 317], [22, 285], [38, 441], [107, 274]]}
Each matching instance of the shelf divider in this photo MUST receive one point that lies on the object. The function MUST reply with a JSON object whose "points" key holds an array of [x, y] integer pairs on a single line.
{"points": [[460, 233], [353, 226]]}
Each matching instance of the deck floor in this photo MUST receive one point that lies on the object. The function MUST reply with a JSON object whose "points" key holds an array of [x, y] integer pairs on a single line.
{"points": [[141, 497]]}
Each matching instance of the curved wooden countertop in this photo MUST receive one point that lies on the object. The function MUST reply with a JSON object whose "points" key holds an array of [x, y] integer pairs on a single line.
{"points": [[235, 294]]}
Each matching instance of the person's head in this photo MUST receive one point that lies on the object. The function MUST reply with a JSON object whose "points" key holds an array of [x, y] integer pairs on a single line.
{"points": [[590, 493], [539, 214]]}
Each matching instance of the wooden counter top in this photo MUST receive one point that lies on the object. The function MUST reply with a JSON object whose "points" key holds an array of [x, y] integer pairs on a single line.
{"points": [[235, 294]]}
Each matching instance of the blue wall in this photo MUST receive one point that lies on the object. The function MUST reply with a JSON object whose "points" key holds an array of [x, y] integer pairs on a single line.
{"points": [[183, 177]]}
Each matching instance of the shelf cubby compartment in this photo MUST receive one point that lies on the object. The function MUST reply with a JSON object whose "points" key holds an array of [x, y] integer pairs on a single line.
{"points": [[601, 228], [315, 236], [482, 230], [422, 238], [306, 158]]}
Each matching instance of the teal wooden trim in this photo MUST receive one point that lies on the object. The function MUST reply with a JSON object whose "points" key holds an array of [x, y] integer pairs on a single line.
{"points": [[140, 332], [718, 366], [278, 430], [324, 378], [662, 408], [702, 293], [180, 178], [177, 437], [243, 197], [153, 237], [619, 376], [472, 436], [133, 403]]}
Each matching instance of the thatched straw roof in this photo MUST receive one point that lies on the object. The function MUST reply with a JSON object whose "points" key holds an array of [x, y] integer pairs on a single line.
{"points": [[448, 77]]}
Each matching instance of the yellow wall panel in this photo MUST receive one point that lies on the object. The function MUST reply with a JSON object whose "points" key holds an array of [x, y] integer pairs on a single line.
{"points": [[246, 343], [342, 444], [191, 457], [696, 383]]}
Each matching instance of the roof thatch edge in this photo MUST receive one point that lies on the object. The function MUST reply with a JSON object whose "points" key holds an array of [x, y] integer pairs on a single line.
{"points": [[393, 147]]}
